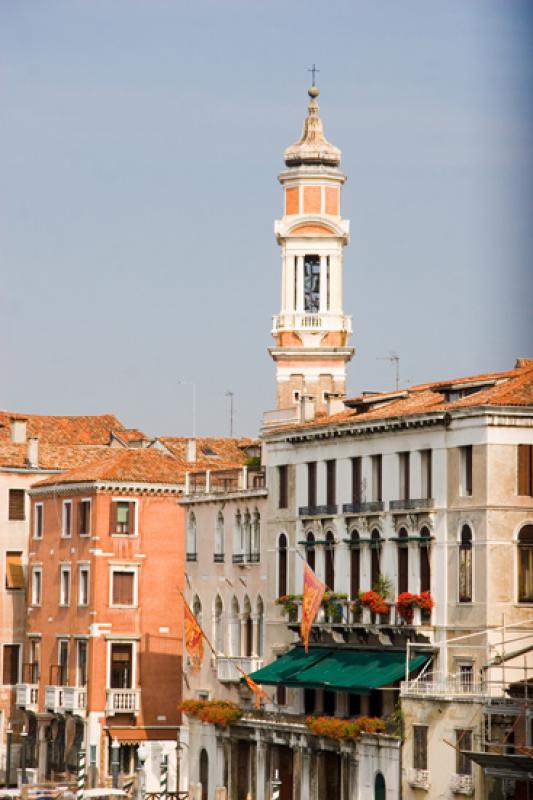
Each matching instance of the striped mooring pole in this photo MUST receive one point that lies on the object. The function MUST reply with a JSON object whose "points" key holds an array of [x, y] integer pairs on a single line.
{"points": [[163, 778], [276, 786], [80, 785]]}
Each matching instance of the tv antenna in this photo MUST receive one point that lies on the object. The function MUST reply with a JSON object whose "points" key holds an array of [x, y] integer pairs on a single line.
{"points": [[394, 358]]}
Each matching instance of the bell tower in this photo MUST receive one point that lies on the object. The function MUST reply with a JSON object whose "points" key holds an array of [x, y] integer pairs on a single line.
{"points": [[311, 331]]}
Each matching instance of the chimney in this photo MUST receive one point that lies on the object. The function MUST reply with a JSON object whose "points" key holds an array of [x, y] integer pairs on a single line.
{"points": [[334, 403], [190, 450], [33, 452], [18, 431], [308, 408]]}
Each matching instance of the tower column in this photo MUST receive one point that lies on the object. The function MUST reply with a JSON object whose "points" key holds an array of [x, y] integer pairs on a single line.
{"points": [[323, 304], [300, 284]]}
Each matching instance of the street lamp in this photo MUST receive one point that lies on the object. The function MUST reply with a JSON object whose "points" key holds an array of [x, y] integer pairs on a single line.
{"points": [[115, 762]]}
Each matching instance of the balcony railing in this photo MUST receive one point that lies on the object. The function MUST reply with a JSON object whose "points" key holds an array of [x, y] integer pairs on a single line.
{"points": [[27, 696], [462, 784], [123, 701], [218, 558], [225, 481], [75, 699], [312, 322], [245, 558], [369, 507], [317, 511], [227, 667], [421, 504], [418, 779], [447, 687], [53, 698]]}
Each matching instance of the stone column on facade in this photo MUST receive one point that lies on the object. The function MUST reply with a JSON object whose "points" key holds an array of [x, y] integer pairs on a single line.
{"points": [[243, 619], [260, 769], [305, 772], [255, 635], [322, 306]]}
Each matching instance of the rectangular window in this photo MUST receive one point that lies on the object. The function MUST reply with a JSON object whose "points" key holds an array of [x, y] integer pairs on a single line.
{"points": [[525, 470], [33, 668], [64, 585], [404, 462], [282, 484], [121, 667], [83, 585], [426, 463], [466, 676], [36, 585], [420, 747], [466, 470], [84, 517], [62, 653], [81, 663], [123, 517], [17, 500], [14, 570], [312, 284], [331, 476], [38, 521], [357, 475], [66, 518], [463, 741], [377, 478], [123, 587], [10, 664], [311, 483]]}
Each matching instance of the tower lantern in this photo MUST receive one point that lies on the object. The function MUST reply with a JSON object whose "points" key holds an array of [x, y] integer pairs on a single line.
{"points": [[311, 331]]}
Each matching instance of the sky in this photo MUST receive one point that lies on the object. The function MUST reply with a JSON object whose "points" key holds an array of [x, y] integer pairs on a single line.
{"points": [[140, 144]]}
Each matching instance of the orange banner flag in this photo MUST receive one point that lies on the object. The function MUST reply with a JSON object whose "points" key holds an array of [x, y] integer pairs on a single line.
{"points": [[258, 691], [312, 597], [194, 638]]}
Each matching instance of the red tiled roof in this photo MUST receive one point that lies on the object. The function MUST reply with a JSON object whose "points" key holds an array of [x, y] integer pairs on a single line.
{"points": [[226, 452], [143, 465], [63, 430], [511, 388]]}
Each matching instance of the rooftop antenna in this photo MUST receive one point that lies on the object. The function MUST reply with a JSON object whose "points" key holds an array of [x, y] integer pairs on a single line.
{"points": [[231, 396], [394, 358], [313, 70]]}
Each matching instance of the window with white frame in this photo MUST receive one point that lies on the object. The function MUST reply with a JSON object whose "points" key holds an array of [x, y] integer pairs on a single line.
{"points": [[36, 585], [219, 537], [121, 662], [81, 662], [84, 517], [191, 536], [466, 470], [38, 521], [83, 585], [66, 518], [124, 517], [64, 585], [123, 586], [62, 662]]}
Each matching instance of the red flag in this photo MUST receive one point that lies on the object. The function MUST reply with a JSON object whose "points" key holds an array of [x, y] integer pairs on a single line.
{"points": [[312, 596], [258, 691], [194, 639]]}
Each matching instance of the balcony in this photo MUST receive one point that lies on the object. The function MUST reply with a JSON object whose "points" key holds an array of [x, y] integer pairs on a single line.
{"points": [[227, 671], [418, 779], [225, 481], [370, 507], [218, 558], [311, 322], [27, 696], [75, 700], [53, 698], [462, 784], [421, 504], [444, 687], [317, 511], [123, 701]]}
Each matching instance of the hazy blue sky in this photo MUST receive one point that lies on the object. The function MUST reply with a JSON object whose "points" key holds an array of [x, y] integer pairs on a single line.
{"points": [[140, 142]]}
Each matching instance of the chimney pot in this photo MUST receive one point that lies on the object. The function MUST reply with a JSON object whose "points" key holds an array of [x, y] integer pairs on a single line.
{"points": [[33, 452], [190, 450]]}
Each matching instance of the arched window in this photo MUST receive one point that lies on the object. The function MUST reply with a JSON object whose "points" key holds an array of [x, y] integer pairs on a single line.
{"points": [[329, 566], [375, 557], [355, 565], [260, 627], [191, 537], [465, 565], [282, 565], [248, 628], [425, 565], [234, 629], [525, 565], [310, 549], [219, 625], [403, 561], [219, 535], [380, 791], [256, 535], [246, 546], [237, 534], [197, 608]]}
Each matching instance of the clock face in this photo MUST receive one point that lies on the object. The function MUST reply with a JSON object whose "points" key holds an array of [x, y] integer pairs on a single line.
{"points": [[312, 284]]}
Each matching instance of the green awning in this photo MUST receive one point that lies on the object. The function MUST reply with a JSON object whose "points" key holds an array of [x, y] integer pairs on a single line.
{"points": [[341, 670]]}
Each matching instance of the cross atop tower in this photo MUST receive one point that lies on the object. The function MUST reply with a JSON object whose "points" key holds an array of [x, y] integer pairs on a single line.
{"points": [[313, 70]]}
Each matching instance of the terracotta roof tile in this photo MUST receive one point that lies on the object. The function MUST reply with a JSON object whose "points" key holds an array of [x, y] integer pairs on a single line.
{"points": [[141, 465], [211, 452], [63, 430]]}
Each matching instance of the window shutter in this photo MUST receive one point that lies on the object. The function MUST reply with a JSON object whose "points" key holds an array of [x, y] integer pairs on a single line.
{"points": [[10, 668], [123, 588], [525, 469], [131, 518], [16, 504], [14, 571]]}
